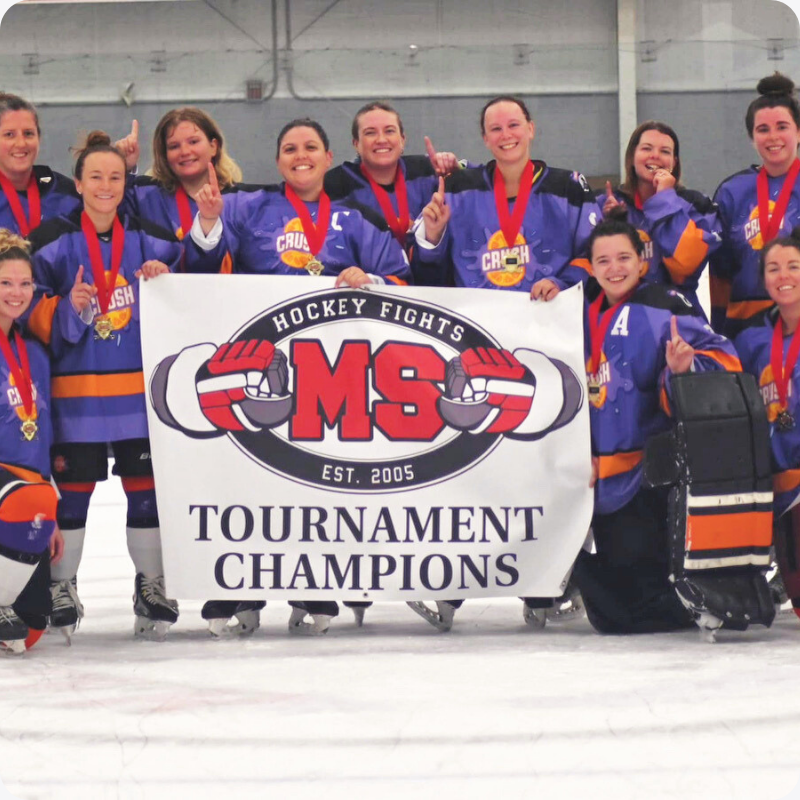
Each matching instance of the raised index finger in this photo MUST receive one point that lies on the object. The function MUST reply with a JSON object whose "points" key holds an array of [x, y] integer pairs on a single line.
{"points": [[79, 276], [441, 186], [135, 129], [609, 191], [673, 328], [431, 150], [212, 177]]}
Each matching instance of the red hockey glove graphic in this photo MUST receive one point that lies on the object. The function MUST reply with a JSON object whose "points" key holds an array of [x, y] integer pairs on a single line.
{"points": [[486, 390], [244, 386]]}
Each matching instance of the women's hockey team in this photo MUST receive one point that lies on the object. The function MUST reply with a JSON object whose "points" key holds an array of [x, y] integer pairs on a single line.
{"points": [[71, 365]]}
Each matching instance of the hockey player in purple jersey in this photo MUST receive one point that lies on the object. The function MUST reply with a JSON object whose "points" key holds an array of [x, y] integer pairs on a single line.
{"points": [[756, 205], [29, 192], [769, 350], [638, 335], [87, 267], [27, 498], [678, 227]]}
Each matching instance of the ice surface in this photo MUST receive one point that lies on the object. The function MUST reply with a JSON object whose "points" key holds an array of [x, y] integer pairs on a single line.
{"points": [[393, 709]]}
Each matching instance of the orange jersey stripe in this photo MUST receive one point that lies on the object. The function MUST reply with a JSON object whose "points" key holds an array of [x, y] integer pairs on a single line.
{"points": [[582, 263], [724, 531], [29, 475], [786, 481], [747, 308], [398, 281], [40, 322], [116, 385], [609, 466], [28, 502], [226, 267], [690, 253], [729, 362]]}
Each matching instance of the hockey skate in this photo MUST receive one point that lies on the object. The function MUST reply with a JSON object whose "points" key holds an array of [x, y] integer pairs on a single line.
{"points": [[154, 611], [535, 618], [67, 608], [358, 613], [13, 632], [298, 625], [568, 607], [441, 619], [708, 625], [221, 614]]}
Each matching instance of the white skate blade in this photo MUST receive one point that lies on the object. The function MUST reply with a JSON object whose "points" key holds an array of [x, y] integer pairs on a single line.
{"points": [[13, 647], [358, 613], [568, 611], [441, 619], [298, 625], [245, 624], [150, 630], [708, 625], [535, 618]]}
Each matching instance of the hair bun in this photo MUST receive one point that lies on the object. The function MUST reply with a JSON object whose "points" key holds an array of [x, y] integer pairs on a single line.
{"points": [[619, 213], [97, 138], [10, 240], [777, 83]]}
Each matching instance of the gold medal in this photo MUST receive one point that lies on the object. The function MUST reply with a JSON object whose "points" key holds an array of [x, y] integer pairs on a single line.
{"points": [[29, 429], [103, 328], [511, 263], [314, 266]]}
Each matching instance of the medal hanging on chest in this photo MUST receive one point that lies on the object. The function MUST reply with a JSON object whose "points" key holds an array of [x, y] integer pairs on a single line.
{"points": [[770, 225], [782, 374], [21, 372], [398, 223], [598, 326], [103, 325], [511, 221], [315, 234], [184, 213], [34, 218]]}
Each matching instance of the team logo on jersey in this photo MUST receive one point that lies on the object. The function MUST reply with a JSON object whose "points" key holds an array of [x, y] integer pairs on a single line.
{"points": [[647, 255], [292, 245], [769, 393], [598, 381], [503, 265], [15, 398], [752, 228], [397, 394], [120, 306]]}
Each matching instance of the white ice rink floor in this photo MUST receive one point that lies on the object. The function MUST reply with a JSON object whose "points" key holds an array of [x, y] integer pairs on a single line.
{"points": [[394, 709]]}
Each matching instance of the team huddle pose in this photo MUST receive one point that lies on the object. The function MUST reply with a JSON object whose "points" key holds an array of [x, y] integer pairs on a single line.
{"points": [[72, 252]]}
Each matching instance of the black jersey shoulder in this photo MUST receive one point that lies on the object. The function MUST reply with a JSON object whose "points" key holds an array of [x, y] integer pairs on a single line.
{"points": [[369, 214], [249, 188], [562, 183], [465, 180], [49, 180], [150, 228], [52, 229], [750, 171], [701, 203], [657, 295], [342, 181], [418, 167]]}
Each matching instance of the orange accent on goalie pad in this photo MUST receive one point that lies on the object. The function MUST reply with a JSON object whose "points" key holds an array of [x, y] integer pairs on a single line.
{"points": [[33, 636], [729, 531]]}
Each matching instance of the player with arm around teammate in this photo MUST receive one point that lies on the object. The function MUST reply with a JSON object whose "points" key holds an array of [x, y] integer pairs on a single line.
{"points": [[87, 267], [27, 497], [679, 228], [638, 335]]}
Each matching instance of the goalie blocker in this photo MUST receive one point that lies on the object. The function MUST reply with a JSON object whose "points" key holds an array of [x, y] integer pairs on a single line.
{"points": [[716, 461]]}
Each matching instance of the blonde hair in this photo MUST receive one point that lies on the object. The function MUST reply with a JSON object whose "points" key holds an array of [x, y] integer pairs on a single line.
{"points": [[14, 247], [228, 171]]}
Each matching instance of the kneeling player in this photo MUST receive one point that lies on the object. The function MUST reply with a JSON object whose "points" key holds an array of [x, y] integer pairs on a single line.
{"points": [[27, 498], [638, 335]]}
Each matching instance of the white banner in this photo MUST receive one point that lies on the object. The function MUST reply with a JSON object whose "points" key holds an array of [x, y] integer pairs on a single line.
{"points": [[393, 443]]}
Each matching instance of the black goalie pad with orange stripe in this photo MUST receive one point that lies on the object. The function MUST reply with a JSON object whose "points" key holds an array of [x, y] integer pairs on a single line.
{"points": [[717, 460]]}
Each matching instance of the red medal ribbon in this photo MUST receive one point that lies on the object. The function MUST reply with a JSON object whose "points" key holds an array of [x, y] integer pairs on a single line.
{"points": [[599, 325], [315, 234], [34, 204], [105, 286], [510, 223], [184, 212], [21, 370], [397, 224], [770, 225], [637, 201], [782, 371]]}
